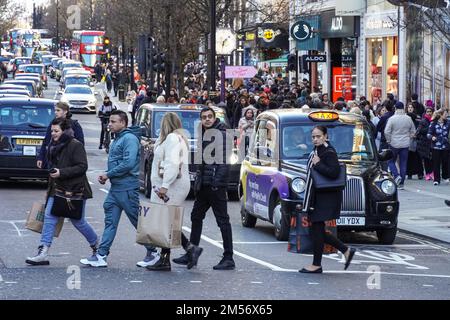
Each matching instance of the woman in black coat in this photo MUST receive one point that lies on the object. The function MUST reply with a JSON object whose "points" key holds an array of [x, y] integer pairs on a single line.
{"points": [[67, 158], [324, 205]]}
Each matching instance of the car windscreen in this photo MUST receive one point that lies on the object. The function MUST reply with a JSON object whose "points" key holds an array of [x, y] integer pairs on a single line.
{"points": [[26, 116], [190, 121], [22, 61], [32, 69], [78, 90], [28, 85], [70, 81], [55, 63], [352, 142], [73, 65], [47, 60]]}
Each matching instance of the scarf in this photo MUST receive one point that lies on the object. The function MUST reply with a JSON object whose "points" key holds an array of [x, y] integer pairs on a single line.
{"points": [[428, 117], [55, 148]]}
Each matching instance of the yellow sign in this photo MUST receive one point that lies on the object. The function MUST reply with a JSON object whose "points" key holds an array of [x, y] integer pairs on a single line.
{"points": [[268, 34], [249, 36], [29, 142], [324, 116]]}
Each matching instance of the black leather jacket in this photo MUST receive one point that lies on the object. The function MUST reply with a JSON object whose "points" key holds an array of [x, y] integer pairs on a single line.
{"points": [[215, 174]]}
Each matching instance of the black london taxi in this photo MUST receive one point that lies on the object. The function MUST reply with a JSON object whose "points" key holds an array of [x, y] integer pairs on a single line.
{"points": [[149, 118], [273, 175], [23, 124]]}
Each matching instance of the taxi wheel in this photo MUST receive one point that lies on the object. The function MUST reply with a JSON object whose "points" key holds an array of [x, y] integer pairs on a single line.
{"points": [[248, 221], [280, 222], [387, 236]]}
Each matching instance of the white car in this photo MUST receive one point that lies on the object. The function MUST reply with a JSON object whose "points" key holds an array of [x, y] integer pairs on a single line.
{"points": [[80, 98]]}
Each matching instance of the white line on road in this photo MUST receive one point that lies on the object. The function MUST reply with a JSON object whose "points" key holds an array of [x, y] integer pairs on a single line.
{"points": [[10, 282], [428, 285], [256, 282], [277, 268], [313, 283], [104, 190], [135, 281], [192, 281], [91, 183], [256, 242]]}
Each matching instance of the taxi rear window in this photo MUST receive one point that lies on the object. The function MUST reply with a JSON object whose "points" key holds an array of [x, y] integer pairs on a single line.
{"points": [[352, 142]]}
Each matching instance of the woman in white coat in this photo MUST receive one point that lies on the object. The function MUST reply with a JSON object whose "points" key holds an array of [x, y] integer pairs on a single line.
{"points": [[170, 174]]}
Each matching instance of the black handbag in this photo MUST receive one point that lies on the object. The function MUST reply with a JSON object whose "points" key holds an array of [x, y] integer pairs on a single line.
{"points": [[68, 204], [198, 182], [323, 183]]}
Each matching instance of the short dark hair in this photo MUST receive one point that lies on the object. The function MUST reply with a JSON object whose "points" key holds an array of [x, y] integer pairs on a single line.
{"points": [[206, 109], [122, 115], [415, 96], [64, 124]]}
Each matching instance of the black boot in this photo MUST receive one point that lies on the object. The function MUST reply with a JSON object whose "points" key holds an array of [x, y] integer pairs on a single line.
{"points": [[183, 260], [163, 264]]}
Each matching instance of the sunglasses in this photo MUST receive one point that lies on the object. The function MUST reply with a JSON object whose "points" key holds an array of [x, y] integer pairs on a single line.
{"points": [[208, 116]]}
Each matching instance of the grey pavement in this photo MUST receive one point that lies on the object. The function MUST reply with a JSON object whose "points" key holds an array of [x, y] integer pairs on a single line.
{"points": [[427, 213]]}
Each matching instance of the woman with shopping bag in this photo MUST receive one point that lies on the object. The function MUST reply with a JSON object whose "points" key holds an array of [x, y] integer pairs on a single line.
{"points": [[323, 204], [170, 175], [68, 189]]}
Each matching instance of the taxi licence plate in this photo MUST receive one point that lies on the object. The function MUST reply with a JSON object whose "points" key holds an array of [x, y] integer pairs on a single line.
{"points": [[29, 142], [351, 221]]}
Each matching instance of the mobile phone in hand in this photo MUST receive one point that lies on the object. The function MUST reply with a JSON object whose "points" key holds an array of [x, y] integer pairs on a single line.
{"points": [[165, 198]]}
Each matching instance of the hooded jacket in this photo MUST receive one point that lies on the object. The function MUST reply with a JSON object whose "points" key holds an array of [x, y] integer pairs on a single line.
{"points": [[123, 160]]}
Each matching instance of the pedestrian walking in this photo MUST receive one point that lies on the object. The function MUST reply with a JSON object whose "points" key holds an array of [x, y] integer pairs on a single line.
{"points": [[415, 163], [399, 131], [104, 113], [109, 80], [212, 182], [68, 160], [62, 111], [246, 127], [424, 144], [440, 146], [323, 206], [123, 173], [170, 175]]}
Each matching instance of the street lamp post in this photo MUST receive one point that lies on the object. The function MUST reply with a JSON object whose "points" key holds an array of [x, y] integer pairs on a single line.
{"points": [[57, 26], [222, 78], [212, 38]]}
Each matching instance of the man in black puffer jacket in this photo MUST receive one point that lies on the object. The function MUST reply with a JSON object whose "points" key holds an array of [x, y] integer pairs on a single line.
{"points": [[212, 188]]}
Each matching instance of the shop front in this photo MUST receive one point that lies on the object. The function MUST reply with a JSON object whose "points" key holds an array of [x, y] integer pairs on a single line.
{"points": [[382, 54], [341, 34]]}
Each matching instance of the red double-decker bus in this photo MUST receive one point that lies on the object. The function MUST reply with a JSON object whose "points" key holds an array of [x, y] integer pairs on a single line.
{"points": [[88, 47]]}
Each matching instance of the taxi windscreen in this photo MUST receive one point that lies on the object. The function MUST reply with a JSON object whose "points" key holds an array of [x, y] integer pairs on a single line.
{"points": [[352, 142], [26, 116], [190, 121]]}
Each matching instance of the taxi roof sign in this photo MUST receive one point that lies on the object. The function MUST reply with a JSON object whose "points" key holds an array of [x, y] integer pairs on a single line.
{"points": [[324, 116]]}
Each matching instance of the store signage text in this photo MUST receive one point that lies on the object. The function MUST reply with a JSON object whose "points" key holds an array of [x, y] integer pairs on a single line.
{"points": [[315, 58], [374, 24], [337, 24]]}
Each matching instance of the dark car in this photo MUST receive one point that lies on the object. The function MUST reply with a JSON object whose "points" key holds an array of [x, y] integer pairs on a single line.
{"points": [[23, 124], [35, 68], [149, 118], [273, 175]]}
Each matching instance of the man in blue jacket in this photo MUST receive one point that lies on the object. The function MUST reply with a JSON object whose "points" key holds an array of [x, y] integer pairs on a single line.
{"points": [[123, 173]]}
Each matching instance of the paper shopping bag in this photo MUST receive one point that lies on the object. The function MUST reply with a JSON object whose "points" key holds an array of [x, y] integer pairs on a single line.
{"points": [[35, 219], [160, 225]]}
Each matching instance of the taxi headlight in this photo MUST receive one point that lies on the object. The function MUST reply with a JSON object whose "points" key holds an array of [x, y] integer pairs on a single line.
{"points": [[234, 159], [298, 185], [388, 187]]}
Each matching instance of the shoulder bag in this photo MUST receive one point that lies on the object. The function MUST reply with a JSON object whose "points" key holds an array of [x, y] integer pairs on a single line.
{"points": [[323, 183], [68, 204]]}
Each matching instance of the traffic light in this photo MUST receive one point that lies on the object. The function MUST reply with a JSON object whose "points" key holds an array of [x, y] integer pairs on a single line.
{"points": [[107, 47], [292, 62]]}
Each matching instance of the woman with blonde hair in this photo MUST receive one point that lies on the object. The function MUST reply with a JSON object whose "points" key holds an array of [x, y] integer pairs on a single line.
{"points": [[170, 174]]}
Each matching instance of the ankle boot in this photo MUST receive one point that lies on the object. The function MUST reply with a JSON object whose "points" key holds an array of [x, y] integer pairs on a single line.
{"points": [[41, 259], [163, 264]]}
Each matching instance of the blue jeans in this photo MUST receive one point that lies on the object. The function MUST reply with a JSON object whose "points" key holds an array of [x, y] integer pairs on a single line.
{"points": [[50, 222], [403, 154], [115, 203]]}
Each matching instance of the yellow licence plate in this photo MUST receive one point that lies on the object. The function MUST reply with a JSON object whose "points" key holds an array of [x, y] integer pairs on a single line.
{"points": [[29, 142]]}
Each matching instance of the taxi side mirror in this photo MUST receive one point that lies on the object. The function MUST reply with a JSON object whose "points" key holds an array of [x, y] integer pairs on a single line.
{"points": [[386, 155]]}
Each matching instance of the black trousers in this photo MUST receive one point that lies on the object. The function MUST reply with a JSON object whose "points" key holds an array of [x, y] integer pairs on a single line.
{"points": [[184, 244], [440, 160], [217, 199], [320, 237]]}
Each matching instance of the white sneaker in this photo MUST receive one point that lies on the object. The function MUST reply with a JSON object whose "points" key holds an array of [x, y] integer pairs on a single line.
{"points": [[446, 181], [41, 259], [96, 261], [398, 180], [149, 260]]}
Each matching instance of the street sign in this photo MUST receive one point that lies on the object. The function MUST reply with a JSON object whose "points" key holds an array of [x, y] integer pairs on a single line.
{"points": [[315, 58], [245, 72]]}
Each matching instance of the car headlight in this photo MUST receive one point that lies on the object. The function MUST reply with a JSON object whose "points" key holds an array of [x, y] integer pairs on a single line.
{"points": [[234, 159], [298, 185], [388, 187]]}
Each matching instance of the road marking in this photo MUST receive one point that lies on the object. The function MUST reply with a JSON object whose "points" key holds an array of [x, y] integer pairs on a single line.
{"points": [[10, 282], [91, 183], [256, 242], [427, 193], [428, 285], [192, 281], [313, 283], [13, 223], [256, 282], [135, 281], [425, 242], [105, 191]]}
